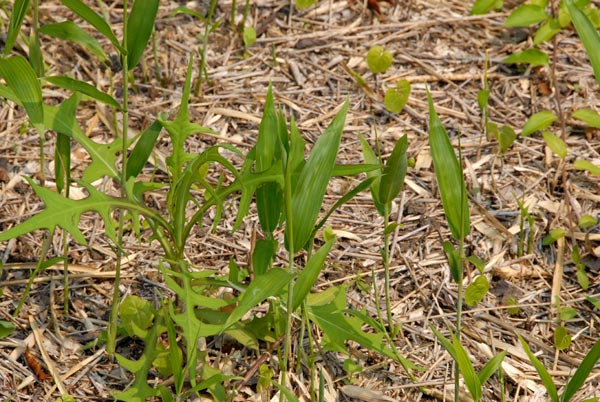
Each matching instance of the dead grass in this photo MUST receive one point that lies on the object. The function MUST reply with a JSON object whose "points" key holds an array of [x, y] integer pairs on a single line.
{"points": [[306, 55]]}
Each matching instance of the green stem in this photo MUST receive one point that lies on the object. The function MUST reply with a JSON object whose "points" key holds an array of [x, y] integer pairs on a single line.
{"points": [[39, 268], [386, 265], [112, 326]]}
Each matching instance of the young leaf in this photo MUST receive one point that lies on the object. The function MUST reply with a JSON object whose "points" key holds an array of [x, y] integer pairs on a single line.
{"points": [[310, 273], [139, 28], [6, 328], [555, 144], [542, 372], [84, 88], [14, 27], [85, 12], [588, 35], [562, 339], [394, 172], [453, 260], [581, 164], [136, 314], [466, 368], [449, 176], [553, 236], [484, 6], [547, 31], [375, 175], [582, 373], [491, 367], [506, 137], [525, 15], [249, 36], [589, 116], [587, 221], [537, 122], [379, 59], [477, 290], [23, 82], [68, 30], [395, 98], [533, 57], [142, 150], [300, 4], [262, 287]]}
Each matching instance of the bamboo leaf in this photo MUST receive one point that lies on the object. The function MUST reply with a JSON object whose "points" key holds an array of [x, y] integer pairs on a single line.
{"points": [[582, 373], [68, 30], [448, 172], [542, 372], [142, 150], [19, 11], [493, 365], [23, 82], [394, 172], [84, 88], [468, 371], [588, 35], [310, 273], [139, 28], [375, 174]]}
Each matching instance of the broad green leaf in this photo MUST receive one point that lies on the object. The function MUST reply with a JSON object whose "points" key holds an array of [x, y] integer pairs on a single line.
{"points": [[587, 221], [537, 122], [546, 31], [65, 213], [567, 313], [394, 172], [85, 12], [484, 6], [143, 149], [588, 35], [542, 372], [264, 251], [262, 287], [449, 174], [533, 57], [506, 138], [493, 365], [454, 261], [308, 194], [395, 98], [526, 15], [139, 28], [308, 276], [249, 36], [19, 10], [136, 313], [589, 116], [582, 373], [555, 144], [553, 236], [6, 328], [477, 262], [466, 368], [562, 339], [23, 82], [582, 164], [84, 88], [379, 59], [300, 4], [269, 197], [477, 290], [68, 30]]}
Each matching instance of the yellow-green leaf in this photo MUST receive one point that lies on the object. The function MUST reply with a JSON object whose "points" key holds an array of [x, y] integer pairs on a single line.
{"points": [[557, 145], [589, 116], [526, 15], [538, 121]]}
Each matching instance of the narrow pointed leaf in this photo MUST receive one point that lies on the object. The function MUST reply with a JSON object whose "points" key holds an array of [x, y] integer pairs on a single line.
{"points": [[537, 122], [542, 372], [23, 82], [16, 20], [466, 368], [394, 172], [68, 30], [143, 149], [583, 164], [449, 174], [491, 367], [83, 87], [371, 159], [582, 373], [264, 251], [589, 36], [139, 29], [310, 273], [85, 12]]}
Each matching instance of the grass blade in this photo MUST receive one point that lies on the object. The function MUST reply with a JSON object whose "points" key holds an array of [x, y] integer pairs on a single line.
{"points": [[68, 30], [449, 176], [142, 150], [85, 88], [491, 367], [582, 373], [139, 29], [542, 372], [310, 273], [588, 35], [16, 20]]}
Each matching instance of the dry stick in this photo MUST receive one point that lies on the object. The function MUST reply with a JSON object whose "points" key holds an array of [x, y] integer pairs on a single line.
{"points": [[45, 357]]}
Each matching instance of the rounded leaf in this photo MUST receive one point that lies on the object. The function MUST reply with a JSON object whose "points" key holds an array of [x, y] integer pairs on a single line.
{"points": [[379, 59]]}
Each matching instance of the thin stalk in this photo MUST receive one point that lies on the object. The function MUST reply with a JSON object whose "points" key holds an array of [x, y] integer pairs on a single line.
{"points": [[232, 18], [207, 27], [41, 132], [386, 265], [112, 326], [246, 11]]}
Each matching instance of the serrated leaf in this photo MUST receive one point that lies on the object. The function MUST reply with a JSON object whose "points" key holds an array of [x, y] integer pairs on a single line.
{"points": [[395, 98], [65, 213], [68, 30], [269, 284], [589, 116], [139, 28], [85, 12], [449, 174], [582, 164], [22, 80], [555, 144], [589, 36], [477, 290], [533, 57], [537, 122], [525, 15], [84, 88], [379, 59], [17, 15]]}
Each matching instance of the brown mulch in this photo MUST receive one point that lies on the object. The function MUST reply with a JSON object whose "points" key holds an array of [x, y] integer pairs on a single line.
{"points": [[307, 56]]}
